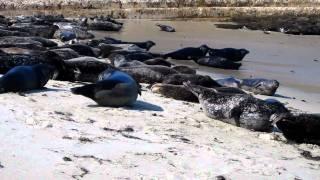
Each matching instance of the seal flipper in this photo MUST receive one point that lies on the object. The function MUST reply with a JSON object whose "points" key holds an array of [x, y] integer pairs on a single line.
{"points": [[86, 90], [91, 89]]}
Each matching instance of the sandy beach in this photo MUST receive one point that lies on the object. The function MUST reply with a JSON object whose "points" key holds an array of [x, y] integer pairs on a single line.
{"points": [[54, 134]]}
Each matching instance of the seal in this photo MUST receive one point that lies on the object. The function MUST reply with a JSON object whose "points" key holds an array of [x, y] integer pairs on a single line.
{"points": [[144, 45], [102, 25], [84, 69], [255, 85], [16, 50], [301, 128], [178, 79], [118, 60], [139, 56], [260, 86], [231, 54], [188, 53], [45, 31], [179, 92], [36, 43], [107, 49], [229, 82], [115, 88], [149, 74], [68, 31], [81, 49], [6, 32], [184, 69], [241, 110], [218, 62], [66, 53], [158, 61], [24, 78], [8, 61], [165, 28]]}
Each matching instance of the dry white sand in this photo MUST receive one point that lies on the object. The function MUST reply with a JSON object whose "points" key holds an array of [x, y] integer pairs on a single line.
{"points": [[54, 134]]}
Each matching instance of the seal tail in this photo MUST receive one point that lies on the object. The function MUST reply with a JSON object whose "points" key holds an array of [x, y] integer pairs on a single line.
{"points": [[86, 90]]}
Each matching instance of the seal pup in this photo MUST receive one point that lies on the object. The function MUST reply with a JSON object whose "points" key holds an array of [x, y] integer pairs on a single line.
{"points": [[218, 62], [115, 88], [188, 53], [165, 28], [242, 110], [231, 54], [24, 78]]}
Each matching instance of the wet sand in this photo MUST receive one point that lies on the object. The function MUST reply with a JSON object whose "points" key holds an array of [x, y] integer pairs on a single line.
{"points": [[287, 58]]}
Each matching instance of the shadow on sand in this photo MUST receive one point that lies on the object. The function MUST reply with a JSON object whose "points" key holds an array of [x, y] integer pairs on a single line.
{"points": [[43, 90], [281, 96], [138, 106], [144, 106]]}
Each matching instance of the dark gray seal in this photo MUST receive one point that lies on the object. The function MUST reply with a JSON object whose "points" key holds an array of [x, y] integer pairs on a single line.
{"points": [[7, 32], [68, 31], [108, 49], [231, 54], [66, 53], [81, 49], [144, 45], [24, 78], [301, 128], [178, 79], [184, 69], [179, 92], [149, 74], [158, 61], [260, 86], [101, 25], [45, 31], [241, 110], [115, 88], [218, 62], [36, 43], [165, 28], [84, 69], [188, 53], [8, 61], [16, 50]]}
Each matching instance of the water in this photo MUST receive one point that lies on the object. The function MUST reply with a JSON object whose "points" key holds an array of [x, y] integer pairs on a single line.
{"points": [[287, 58]]}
